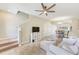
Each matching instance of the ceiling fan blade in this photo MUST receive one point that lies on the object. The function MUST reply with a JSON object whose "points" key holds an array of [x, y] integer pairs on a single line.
{"points": [[51, 6], [41, 13], [43, 6], [39, 10], [50, 11]]}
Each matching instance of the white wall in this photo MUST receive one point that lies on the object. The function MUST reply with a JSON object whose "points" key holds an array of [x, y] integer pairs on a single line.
{"points": [[27, 28], [2, 26], [12, 26], [49, 29], [8, 25]]}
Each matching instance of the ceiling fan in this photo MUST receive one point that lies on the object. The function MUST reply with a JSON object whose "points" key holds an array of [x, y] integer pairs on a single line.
{"points": [[45, 9]]}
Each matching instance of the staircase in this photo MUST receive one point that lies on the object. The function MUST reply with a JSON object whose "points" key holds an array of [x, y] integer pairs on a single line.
{"points": [[6, 44]]}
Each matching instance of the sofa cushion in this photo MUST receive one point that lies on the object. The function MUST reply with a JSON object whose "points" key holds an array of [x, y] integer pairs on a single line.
{"points": [[58, 51], [71, 48], [69, 41]]}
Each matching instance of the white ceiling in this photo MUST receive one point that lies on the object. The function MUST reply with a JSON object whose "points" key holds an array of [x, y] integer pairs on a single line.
{"points": [[62, 9]]}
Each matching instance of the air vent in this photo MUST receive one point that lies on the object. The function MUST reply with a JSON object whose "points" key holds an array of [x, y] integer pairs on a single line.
{"points": [[22, 15]]}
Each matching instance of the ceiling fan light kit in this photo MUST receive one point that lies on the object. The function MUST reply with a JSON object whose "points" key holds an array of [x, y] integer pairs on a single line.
{"points": [[46, 10]]}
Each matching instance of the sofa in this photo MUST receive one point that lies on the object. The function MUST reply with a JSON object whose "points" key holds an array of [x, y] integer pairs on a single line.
{"points": [[69, 46]]}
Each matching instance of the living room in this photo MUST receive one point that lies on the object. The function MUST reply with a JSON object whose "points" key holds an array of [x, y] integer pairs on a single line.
{"points": [[27, 29]]}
